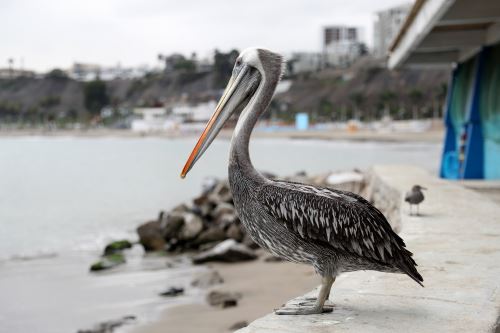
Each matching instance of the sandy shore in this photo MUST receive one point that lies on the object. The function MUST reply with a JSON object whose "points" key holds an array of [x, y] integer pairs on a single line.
{"points": [[435, 135], [264, 286]]}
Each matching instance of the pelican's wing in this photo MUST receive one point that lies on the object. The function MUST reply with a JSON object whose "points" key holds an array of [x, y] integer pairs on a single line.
{"points": [[341, 219]]}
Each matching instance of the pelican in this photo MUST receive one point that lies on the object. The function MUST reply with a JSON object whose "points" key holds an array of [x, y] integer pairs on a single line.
{"points": [[334, 231]]}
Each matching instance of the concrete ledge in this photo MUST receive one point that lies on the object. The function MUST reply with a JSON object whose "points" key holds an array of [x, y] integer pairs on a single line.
{"points": [[457, 246]]}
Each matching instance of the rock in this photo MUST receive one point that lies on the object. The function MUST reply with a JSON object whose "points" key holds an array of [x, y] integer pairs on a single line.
{"points": [[117, 246], [234, 232], [213, 234], [273, 259], [108, 262], [207, 279], [223, 299], [172, 224], [208, 184], [225, 220], [109, 326], [172, 291], [222, 208], [221, 193], [249, 242], [180, 208], [151, 236], [227, 251], [347, 181], [238, 325], [191, 228]]}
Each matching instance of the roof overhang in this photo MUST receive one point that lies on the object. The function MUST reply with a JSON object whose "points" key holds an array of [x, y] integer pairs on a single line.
{"points": [[438, 33]]}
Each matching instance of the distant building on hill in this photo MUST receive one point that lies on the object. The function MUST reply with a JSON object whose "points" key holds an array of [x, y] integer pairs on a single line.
{"points": [[386, 26], [304, 62], [10, 73], [89, 72], [342, 45]]}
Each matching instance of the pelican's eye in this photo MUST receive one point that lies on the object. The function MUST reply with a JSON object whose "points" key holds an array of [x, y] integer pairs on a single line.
{"points": [[238, 62]]}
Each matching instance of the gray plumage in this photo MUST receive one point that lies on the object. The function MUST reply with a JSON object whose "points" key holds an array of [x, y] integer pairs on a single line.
{"points": [[415, 197], [332, 230]]}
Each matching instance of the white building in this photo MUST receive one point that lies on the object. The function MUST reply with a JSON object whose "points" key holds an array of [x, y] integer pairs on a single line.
{"points": [[88, 72], [342, 45], [152, 120], [386, 26], [194, 113], [305, 62]]}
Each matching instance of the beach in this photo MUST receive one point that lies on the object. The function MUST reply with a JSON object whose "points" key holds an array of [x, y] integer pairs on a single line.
{"points": [[264, 286]]}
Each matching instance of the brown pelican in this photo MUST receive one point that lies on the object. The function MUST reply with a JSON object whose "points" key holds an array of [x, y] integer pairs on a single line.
{"points": [[332, 230], [415, 197]]}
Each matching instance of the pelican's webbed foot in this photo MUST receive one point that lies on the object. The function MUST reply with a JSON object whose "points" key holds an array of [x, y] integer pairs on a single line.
{"points": [[302, 310]]}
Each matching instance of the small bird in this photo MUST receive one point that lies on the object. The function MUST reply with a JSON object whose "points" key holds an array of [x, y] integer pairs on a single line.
{"points": [[334, 231], [415, 197]]}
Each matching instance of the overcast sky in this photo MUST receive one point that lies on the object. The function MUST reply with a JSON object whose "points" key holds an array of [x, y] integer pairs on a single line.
{"points": [[56, 33]]}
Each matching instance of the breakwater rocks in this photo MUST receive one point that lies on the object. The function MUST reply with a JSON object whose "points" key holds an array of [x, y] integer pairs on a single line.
{"points": [[210, 227]]}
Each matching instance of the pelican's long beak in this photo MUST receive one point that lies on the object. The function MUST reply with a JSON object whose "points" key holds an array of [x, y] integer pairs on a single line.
{"points": [[235, 94]]}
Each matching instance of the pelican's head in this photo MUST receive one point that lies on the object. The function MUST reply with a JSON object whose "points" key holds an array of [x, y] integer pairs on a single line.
{"points": [[250, 70]]}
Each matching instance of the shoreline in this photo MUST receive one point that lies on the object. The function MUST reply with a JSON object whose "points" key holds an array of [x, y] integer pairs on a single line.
{"points": [[435, 135], [264, 286]]}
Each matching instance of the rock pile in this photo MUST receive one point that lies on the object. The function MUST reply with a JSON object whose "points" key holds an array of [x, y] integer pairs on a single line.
{"points": [[209, 224]]}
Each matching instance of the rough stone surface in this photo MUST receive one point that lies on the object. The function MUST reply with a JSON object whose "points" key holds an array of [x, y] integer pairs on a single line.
{"points": [[227, 251], [192, 226], [456, 243], [150, 236], [109, 326], [222, 298], [207, 279]]}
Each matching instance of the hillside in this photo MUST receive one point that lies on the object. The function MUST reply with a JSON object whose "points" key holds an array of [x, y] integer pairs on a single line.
{"points": [[366, 89]]}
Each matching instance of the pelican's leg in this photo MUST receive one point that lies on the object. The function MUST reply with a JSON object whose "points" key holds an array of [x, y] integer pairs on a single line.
{"points": [[417, 209], [312, 300], [324, 292], [411, 213]]}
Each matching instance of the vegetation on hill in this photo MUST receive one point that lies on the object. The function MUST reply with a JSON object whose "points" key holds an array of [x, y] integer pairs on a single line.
{"points": [[364, 91]]}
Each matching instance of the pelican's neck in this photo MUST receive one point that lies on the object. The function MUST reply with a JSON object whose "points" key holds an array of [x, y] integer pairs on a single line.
{"points": [[239, 156]]}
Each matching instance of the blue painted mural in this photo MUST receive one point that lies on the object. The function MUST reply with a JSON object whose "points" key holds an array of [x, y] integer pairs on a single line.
{"points": [[472, 141]]}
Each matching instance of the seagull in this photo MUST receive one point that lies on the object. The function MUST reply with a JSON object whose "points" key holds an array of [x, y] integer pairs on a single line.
{"points": [[334, 231], [415, 196]]}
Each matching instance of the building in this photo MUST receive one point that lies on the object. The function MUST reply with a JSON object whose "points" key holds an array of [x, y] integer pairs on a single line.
{"points": [[341, 45], [88, 72], [465, 35], [304, 62], [386, 26], [11, 73], [152, 119]]}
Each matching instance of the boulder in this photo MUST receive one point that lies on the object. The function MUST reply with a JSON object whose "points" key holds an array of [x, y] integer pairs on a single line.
{"points": [[272, 258], [235, 232], [172, 224], [151, 236], [109, 326], [207, 279], [222, 208], [212, 234], [221, 193], [227, 251], [117, 246], [107, 262], [223, 299], [208, 184], [249, 242], [238, 325], [225, 220], [172, 291], [191, 227]]}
